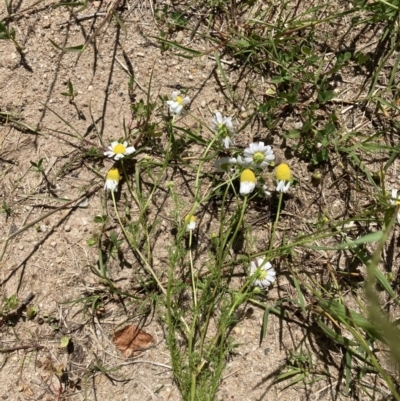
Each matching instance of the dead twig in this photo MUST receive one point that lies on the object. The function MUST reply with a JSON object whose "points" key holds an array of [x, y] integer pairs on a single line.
{"points": [[12, 349], [75, 201]]}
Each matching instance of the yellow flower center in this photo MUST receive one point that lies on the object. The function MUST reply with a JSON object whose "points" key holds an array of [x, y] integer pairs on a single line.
{"points": [[179, 100], [283, 172], [248, 176], [223, 130], [262, 274], [118, 149], [258, 157], [190, 219], [113, 174]]}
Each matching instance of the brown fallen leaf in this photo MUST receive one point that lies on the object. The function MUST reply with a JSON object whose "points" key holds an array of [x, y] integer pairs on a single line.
{"points": [[131, 340]]}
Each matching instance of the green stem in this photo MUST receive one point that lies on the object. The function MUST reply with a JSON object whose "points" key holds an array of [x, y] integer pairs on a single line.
{"points": [[148, 267], [192, 270], [271, 243], [210, 310], [129, 184]]}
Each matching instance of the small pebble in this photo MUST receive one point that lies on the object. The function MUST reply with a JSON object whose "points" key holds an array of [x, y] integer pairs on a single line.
{"points": [[244, 115], [90, 88], [20, 247], [203, 104], [43, 228], [67, 228], [53, 244], [140, 54], [179, 37]]}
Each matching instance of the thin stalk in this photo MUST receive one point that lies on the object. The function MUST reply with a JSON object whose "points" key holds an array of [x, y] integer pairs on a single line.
{"points": [[148, 267], [211, 308], [271, 243], [129, 184], [192, 270]]}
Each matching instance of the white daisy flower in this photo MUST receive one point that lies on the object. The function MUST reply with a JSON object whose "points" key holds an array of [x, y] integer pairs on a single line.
{"points": [[118, 150], [283, 176], [263, 272], [112, 180], [257, 155], [224, 164], [177, 102], [248, 182], [283, 186], [396, 201], [224, 128], [265, 190], [191, 222]]}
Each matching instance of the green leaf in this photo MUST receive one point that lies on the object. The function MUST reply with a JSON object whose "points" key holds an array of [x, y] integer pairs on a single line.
{"points": [[64, 342], [101, 219], [325, 96], [69, 4], [264, 324], [292, 134], [91, 241], [70, 88], [299, 293], [174, 44], [221, 70], [72, 49], [366, 239], [2, 28], [113, 237]]}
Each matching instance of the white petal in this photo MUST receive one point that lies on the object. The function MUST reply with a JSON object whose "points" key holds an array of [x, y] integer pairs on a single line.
{"points": [[218, 117], [174, 107], [246, 187], [394, 197], [249, 153], [129, 150], [228, 124], [281, 186], [191, 226], [109, 153], [241, 161], [118, 156], [227, 142], [174, 95], [111, 185], [186, 100], [398, 218]]}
